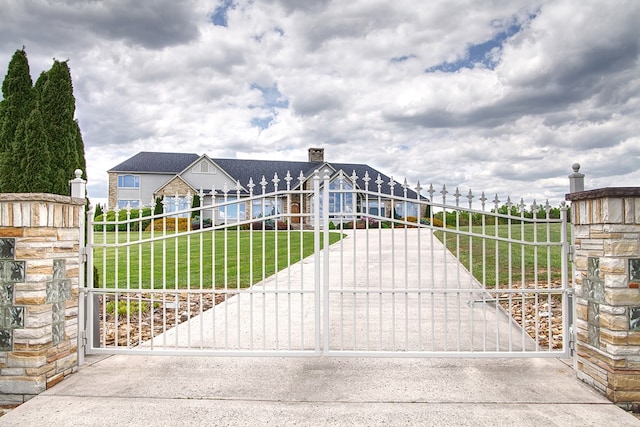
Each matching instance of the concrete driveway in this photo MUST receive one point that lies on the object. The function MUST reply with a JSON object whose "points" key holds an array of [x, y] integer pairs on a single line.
{"points": [[172, 391], [198, 390]]}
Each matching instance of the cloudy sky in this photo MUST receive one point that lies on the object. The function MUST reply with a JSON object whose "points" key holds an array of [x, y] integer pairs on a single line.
{"points": [[501, 96]]}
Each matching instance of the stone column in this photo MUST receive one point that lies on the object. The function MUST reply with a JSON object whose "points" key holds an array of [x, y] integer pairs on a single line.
{"points": [[40, 267], [606, 227]]}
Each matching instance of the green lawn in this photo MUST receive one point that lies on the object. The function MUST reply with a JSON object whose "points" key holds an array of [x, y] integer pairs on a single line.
{"points": [[178, 261], [488, 257]]}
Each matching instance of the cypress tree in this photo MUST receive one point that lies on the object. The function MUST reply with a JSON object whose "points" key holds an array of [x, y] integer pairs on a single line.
{"points": [[57, 102], [80, 162], [18, 96], [31, 147], [195, 203], [55, 148], [98, 211], [11, 174], [159, 208], [18, 101]]}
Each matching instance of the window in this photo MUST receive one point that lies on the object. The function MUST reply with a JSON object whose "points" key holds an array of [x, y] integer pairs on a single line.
{"points": [[128, 181], [412, 210], [123, 204], [231, 212], [340, 202], [173, 204], [270, 207], [376, 209], [204, 167]]}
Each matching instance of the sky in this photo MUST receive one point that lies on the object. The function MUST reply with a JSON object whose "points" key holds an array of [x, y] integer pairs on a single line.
{"points": [[501, 96]]}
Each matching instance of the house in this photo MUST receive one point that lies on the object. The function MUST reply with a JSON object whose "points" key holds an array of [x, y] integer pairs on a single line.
{"points": [[175, 177]]}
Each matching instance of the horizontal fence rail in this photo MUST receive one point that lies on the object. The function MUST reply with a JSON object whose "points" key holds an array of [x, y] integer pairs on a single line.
{"points": [[362, 267]]}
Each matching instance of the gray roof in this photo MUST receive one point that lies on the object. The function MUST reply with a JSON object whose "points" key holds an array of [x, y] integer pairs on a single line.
{"points": [[242, 170], [151, 162]]}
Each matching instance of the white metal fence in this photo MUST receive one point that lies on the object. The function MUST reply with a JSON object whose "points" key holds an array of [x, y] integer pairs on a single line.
{"points": [[351, 274]]}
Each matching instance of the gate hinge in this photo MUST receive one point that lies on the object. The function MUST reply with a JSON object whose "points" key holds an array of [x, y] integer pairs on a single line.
{"points": [[83, 253], [83, 336], [571, 252], [572, 341]]}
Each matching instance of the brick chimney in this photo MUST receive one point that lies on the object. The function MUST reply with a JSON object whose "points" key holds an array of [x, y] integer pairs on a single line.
{"points": [[316, 154]]}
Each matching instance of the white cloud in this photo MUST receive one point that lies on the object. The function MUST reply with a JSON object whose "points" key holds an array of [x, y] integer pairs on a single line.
{"points": [[352, 78]]}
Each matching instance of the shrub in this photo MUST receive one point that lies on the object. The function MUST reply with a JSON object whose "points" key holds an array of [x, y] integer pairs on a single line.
{"points": [[122, 216], [410, 219], [195, 223], [266, 224], [359, 224], [372, 223], [134, 307], [437, 222], [184, 224]]}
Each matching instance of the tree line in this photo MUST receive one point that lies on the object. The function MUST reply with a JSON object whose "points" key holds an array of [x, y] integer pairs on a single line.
{"points": [[40, 141]]}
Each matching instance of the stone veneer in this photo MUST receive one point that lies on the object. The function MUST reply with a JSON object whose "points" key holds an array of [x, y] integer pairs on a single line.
{"points": [[112, 201], [39, 278], [176, 186], [606, 230]]}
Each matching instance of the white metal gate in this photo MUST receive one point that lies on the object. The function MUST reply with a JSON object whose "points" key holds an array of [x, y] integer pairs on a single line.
{"points": [[349, 273]]}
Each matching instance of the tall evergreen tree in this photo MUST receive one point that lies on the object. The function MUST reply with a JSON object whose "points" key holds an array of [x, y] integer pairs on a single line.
{"points": [[195, 203], [58, 107], [18, 97], [18, 101], [32, 146], [80, 161], [55, 148]]}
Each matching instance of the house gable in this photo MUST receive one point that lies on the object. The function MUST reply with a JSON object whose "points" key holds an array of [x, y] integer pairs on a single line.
{"points": [[175, 186], [204, 173]]}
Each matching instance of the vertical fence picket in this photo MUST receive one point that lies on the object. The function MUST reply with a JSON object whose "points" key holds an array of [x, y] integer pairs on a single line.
{"points": [[472, 295], [523, 248]]}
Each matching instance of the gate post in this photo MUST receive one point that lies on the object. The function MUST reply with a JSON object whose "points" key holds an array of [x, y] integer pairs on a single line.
{"points": [[40, 270], [78, 187], [606, 231]]}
